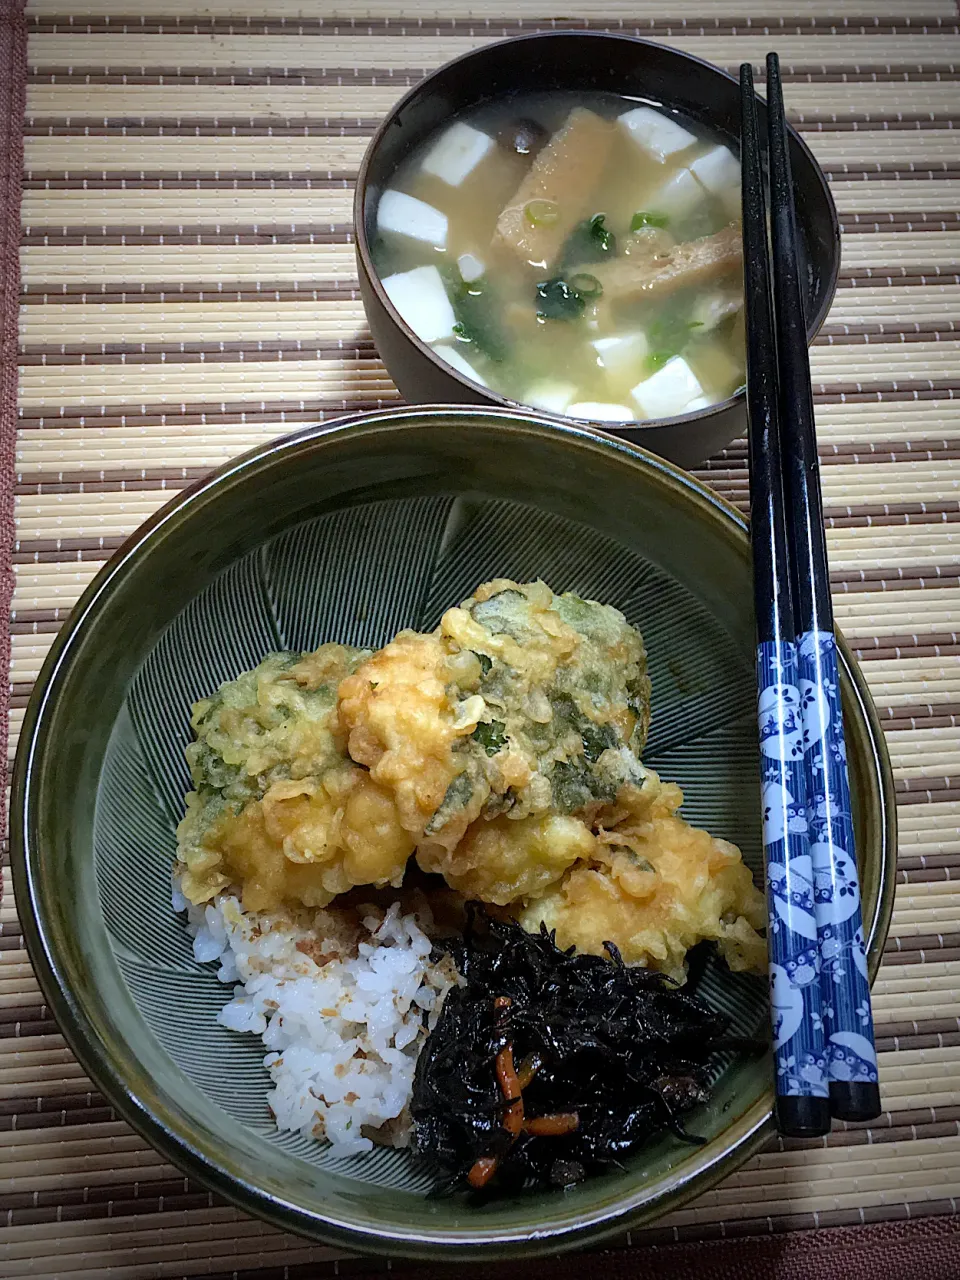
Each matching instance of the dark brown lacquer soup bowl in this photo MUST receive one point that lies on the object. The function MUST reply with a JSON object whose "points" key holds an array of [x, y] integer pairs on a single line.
{"points": [[585, 62]]}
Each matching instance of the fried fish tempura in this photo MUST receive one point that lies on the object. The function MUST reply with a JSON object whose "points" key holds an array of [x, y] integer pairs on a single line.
{"points": [[279, 811], [523, 704], [655, 886]]}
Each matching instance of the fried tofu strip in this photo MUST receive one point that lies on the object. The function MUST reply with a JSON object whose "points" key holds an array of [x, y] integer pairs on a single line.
{"points": [[565, 173], [656, 274]]}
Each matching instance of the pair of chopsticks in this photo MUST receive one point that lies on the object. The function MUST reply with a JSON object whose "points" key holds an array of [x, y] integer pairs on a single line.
{"points": [[826, 1062]]}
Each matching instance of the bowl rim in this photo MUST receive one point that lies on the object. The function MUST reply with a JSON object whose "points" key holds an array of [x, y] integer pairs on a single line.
{"points": [[744, 1135], [494, 398]]}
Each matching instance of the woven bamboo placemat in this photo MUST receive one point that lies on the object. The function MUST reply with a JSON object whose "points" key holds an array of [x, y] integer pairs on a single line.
{"points": [[188, 291]]}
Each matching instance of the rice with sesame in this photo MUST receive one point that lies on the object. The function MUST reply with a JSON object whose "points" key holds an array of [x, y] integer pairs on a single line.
{"points": [[342, 1004]]}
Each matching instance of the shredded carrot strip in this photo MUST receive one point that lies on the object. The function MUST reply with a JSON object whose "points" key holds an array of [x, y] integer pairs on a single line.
{"points": [[484, 1168], [507, 1075], [513, 1118], [510, 1088], [482, 1172], [553, 1126]]}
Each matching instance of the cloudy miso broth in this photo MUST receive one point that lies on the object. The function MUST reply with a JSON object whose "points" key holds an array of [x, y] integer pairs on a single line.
{"points": [[576, 252]]}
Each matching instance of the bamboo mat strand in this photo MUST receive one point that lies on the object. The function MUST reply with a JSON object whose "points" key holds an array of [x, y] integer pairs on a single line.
{"points": [[188, 291]]}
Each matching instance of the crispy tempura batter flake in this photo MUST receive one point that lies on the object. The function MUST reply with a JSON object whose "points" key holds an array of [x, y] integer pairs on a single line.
{"points": [[656, 886]]}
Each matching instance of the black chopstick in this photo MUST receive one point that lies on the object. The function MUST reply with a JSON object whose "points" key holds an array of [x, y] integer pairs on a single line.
{"points": [[802, 1101], [851, 1054]]}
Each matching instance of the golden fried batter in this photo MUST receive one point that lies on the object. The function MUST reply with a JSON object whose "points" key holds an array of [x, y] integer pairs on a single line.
{"points": [[278, 810], [523, 703], [655, 886], [503, 859], [405, 721]]}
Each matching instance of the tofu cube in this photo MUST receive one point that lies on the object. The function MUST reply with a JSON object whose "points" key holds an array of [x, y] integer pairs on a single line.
{"points": [[716, 367], [407, 216], [456, 361], [712, 309], [718, 171], [551, 397], [597, 411], [621, 354], [470, 267], [732, 204], [422, 302], [657, 134], [678, 197], [456, 153], [668, 392]]}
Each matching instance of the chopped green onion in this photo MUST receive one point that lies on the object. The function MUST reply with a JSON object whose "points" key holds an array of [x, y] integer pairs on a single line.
{"points": [[541, 213], [586, 285], [644, 218]]}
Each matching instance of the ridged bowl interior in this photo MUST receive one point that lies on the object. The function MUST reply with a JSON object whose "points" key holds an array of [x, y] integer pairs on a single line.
{"points": [[351, 535]]}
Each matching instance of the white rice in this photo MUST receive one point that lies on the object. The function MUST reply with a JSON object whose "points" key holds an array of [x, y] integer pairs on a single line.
{"points": [[343, 1029]]}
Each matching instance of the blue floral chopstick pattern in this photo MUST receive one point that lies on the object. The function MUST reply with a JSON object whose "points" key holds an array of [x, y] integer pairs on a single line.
{"points": [[845, 985], [795, 963]]}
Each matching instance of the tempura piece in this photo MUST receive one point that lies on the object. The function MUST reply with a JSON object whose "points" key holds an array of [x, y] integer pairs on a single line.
{"points": [[504, 859], [565, 691], [279, 811], [653, 270], [656, 886], [409, 714], [523, 703], [555, 192]]}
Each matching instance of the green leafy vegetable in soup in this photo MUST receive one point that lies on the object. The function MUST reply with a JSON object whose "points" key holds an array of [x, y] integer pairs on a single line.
{"points": [[590, 241], [478, 313], [670, 333], [558, 300]]}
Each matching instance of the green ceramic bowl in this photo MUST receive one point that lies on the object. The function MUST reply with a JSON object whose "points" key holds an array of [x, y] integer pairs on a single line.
{"points": [[351, 531]]}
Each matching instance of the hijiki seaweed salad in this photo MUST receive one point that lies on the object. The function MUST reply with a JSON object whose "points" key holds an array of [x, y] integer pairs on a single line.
{"points": [[590, 1060], [452, 900]]}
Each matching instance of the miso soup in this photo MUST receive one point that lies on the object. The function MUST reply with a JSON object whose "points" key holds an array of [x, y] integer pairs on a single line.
{"points": [[578, 253]]}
